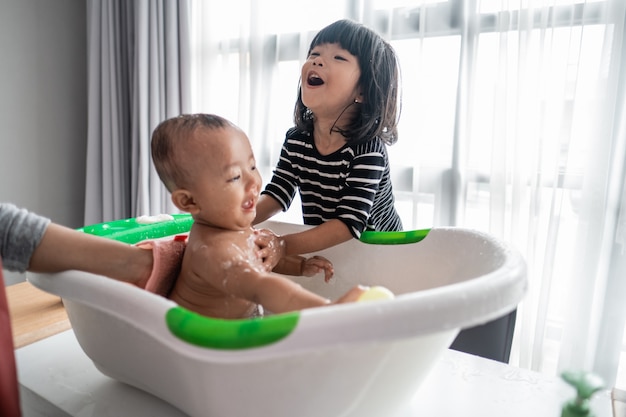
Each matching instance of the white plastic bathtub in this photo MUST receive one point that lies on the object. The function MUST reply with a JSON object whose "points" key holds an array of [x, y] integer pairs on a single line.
{"points": [[361, 359]]}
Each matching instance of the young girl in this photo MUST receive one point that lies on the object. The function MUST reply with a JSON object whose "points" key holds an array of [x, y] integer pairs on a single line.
{"points": [[345, 114]]}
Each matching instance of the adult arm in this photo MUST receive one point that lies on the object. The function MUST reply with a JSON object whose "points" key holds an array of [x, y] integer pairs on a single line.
{"points": [[31, 242], [62, 249], [20, 233]]}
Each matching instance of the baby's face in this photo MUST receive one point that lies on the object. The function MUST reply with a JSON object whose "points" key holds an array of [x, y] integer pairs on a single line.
{"points": [[226, 183]]}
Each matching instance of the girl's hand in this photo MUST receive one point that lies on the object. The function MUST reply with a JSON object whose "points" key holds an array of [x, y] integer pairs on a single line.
{"points": [[271, 248], [317, 264]]}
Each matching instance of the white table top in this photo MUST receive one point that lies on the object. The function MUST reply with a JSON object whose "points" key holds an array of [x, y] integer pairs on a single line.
{"points": [[58, 379]]}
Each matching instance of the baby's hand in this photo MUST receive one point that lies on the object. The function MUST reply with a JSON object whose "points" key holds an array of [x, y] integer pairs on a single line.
{"points": [[271, 248], [317, 264]]}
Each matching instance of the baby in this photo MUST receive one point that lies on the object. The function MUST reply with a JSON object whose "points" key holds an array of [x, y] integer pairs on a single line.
{"points": [[207, 164]]}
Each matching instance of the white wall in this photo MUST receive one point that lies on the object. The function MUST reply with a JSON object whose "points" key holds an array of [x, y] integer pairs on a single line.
{"points": [[43, 108]]}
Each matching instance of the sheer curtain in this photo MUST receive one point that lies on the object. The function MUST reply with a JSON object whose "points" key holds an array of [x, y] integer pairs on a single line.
{"points": [[245, 64], [138, 75], [513, 122], [542, 141]]}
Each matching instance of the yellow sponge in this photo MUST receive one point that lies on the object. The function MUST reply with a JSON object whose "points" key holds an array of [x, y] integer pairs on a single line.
{"points": [[376, 292]]}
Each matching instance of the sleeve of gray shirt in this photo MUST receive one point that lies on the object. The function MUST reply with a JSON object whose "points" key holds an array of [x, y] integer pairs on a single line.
{"points": [[20, 233]]}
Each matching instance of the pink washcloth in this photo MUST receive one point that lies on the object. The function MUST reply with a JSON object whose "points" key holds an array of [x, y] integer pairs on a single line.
{"points": [[168, 258]]}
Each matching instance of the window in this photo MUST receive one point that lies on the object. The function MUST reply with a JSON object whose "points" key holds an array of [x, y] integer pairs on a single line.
{"points": [[505, 126]]}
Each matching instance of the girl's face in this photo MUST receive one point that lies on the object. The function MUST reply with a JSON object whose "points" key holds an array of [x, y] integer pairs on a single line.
{"points": [[330, 80], [226, 183]]}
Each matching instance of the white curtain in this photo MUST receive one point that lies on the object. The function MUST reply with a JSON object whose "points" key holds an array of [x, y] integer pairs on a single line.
{"points": [[543, 121], [513, 122], [138, 74], [245, 64]]}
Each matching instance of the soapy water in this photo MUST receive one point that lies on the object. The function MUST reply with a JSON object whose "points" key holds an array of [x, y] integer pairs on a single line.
{"points": [[154, 219], [244, 260]]}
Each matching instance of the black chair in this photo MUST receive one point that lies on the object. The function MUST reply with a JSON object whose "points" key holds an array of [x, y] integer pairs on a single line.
{"points": [[491, 340]]}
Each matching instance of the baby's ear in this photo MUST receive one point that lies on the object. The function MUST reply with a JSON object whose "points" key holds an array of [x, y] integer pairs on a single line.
{"points": [[184, 201]]}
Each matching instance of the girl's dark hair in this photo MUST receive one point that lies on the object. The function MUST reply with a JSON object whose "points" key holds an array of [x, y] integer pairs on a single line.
{"points": [[379, 81]]}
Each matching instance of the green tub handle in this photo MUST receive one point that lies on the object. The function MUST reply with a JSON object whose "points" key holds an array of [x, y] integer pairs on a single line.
{"points": [[393, 238], [209, 332], [130, 231]]}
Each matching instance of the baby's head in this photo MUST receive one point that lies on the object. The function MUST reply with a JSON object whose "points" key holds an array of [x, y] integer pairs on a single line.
{"points": [[207, 164], [172, 141], [379, 80]]}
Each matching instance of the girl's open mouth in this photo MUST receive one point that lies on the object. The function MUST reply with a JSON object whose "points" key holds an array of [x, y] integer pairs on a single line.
{"points": [[314, 80]]}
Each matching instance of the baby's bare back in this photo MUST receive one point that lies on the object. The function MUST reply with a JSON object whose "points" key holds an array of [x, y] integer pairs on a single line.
{"points": [[215, 269]]}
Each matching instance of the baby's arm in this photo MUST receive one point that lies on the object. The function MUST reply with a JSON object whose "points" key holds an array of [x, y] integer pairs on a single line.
{"points": [[242, 277], [317, 264], [299, 265], [279, 295]]}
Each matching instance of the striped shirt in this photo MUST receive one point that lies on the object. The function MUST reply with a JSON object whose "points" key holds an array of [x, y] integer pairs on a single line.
{"points": [[351, 184]]}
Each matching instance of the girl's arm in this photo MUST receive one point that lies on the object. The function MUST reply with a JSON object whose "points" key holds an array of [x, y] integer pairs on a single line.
{"points": [[326, 235], [273, 248], [266, 207]]}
